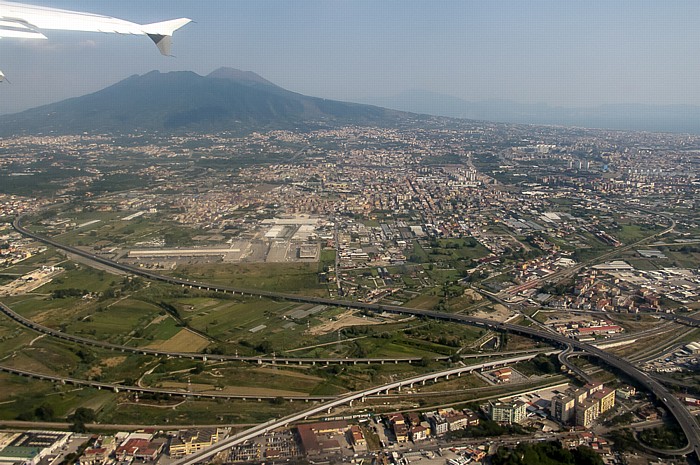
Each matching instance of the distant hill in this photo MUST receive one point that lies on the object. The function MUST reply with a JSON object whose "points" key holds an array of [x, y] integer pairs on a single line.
{"points": [[226, 99], [635, 117]]}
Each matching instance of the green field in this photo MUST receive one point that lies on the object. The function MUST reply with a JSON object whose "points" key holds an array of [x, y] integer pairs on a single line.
{"points": [[298, 278], [630, 233], [191, 412]]}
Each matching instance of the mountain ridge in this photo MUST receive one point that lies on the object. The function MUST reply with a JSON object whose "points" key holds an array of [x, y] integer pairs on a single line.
{"points": [[225, 100], [679, 118]]}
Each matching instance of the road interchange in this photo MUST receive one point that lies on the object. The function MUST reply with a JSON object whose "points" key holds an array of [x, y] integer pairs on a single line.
{"points": [[673, 405]]}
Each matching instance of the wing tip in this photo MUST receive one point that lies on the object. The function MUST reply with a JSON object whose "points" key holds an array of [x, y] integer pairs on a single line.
{"points": [[161, 33]]}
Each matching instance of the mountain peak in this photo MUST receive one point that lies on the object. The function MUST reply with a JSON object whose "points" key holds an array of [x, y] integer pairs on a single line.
{"points": [[238, 75]]}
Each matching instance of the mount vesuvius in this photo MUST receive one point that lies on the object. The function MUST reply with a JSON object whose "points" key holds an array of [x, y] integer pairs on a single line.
{"points": [[225, 100]]}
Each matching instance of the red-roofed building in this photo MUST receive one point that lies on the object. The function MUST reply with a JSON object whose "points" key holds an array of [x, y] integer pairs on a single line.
{"points": [[312, 440], [141, 449]]}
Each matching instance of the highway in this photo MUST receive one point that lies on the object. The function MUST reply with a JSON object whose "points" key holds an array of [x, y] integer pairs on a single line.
{"points": [[27, 323], [347, 399], [147, 390], [672, 404], [563, 358], [435, 376]]}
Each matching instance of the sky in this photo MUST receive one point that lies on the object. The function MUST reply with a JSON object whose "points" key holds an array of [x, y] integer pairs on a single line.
{"points": [[558, 52]]}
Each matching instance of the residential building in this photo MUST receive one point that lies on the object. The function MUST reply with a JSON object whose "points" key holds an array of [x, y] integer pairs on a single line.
{"points": [[563, 408], [587, 412], [605, 398], [438, 424], [508, 412]]}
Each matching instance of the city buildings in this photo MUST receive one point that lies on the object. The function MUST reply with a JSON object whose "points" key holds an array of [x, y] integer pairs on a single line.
{"points": [[509, 412], [582, 406]]}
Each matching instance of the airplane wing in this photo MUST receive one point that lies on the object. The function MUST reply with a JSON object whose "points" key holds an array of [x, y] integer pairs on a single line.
{"points": [[19, 20]]}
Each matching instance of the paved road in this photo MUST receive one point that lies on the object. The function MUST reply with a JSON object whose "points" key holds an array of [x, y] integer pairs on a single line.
{"points": [[347, 399], [563, 358], [147, 390], [27, 323], [674, 406]]}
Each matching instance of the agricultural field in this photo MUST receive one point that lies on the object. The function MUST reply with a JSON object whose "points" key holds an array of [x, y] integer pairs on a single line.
{"points": [[297, 278]]}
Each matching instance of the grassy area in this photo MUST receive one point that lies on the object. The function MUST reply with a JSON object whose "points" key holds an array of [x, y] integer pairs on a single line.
{"points": [[683, 259], [26, 396], [301, 278], [669, 436], [326, 259], [629, 233], [426, 301], [117, 321], [225, 376], [190, 412]]}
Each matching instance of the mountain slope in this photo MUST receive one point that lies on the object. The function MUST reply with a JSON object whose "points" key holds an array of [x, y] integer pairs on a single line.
{"points": [[227, 99]]}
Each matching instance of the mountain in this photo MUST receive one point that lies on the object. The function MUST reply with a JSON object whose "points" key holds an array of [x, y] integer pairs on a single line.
{"points": [[636, 117], [227, 99]]}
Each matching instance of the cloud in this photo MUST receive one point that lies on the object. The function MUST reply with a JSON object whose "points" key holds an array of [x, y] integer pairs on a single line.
{"points": [[41, 45], [88, 44]]}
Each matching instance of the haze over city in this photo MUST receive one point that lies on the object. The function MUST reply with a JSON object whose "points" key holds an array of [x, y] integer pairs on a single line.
{"points": [[569, 54]]}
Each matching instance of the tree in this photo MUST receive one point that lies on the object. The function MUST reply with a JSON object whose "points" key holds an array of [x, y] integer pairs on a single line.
{"points": [[44, 412], [78, 427], [265, 347], [198, 368], [83, 414]]}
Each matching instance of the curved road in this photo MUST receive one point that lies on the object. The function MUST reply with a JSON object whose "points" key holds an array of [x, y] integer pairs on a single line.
{"points": [[435, 376], [326, 407], [27, 323], [674, 406], [146, 390]]}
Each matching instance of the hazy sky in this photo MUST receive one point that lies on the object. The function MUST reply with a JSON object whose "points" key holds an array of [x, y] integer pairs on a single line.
{"points": [[560, 52]]}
